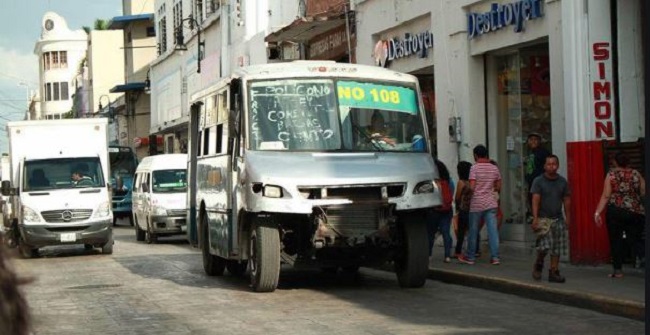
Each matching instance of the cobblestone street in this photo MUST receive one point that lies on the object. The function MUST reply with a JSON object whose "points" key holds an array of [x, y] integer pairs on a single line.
{"points": [[161, 289]]}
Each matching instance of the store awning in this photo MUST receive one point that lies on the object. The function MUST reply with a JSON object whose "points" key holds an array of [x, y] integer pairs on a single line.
{"points": [[137, 86], [119, 22], [306, 28]]}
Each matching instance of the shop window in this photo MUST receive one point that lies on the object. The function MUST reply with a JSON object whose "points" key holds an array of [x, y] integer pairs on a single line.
{"points": [[523, 106]]}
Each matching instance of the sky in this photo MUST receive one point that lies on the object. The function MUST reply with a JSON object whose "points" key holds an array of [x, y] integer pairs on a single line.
{"points": [[20, 28]]}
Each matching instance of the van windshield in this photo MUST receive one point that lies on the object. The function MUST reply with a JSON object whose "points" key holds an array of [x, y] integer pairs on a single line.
{"points": [[60, 173], [328, 115], [169, 181]]}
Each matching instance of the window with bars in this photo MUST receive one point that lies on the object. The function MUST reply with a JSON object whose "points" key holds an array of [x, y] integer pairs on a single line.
{"points": [[162, 37], [46, 61], [63, 59], [55, 60], [48, 92]]}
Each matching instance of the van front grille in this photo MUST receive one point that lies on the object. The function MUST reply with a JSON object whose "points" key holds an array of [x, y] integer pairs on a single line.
{"points": [[67, 215]]}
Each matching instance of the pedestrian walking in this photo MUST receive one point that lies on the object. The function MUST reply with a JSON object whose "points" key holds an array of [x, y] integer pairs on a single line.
{"points": [[550, 194], [622, 194], [484, 180], [441, 215], [534, 163], [462, 198]]}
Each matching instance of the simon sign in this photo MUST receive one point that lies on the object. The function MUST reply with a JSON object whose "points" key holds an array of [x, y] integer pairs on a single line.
{"points": [[395, 48], [502, 15]]}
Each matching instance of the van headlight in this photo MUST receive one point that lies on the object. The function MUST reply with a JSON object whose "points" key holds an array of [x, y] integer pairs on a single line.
{"points": [[159, 211], [30, 215], [272, 191], [103, 210], [426, 186]]}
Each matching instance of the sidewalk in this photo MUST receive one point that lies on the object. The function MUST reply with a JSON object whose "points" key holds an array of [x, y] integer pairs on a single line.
{"points": [[586, 286]]}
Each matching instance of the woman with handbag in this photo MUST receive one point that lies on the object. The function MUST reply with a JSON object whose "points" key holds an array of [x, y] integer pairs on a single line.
{"points": [[622, 194]]}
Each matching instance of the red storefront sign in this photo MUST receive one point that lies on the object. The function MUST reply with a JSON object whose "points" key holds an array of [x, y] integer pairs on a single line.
{"points": [[602, 88]]}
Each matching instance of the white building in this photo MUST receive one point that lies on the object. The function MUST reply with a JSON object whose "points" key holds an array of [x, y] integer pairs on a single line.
{"points": [[105, 67], [232, 34], [137, 23], [60, 52]]}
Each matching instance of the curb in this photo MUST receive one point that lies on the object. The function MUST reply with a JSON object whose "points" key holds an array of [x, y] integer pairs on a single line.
{"points": [[624, 308]]}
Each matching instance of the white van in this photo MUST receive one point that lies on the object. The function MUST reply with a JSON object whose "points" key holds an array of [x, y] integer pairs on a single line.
{"points": [[159, 195]]}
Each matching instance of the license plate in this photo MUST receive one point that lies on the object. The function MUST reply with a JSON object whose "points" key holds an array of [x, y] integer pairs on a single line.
{"points": [[68, 237]]}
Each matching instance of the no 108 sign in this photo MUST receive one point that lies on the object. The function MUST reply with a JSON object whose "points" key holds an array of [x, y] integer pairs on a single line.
{"points": [[376, 96]]}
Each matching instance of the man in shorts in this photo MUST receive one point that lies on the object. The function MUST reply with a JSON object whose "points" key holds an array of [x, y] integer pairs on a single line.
{"points": [[550, 193]]}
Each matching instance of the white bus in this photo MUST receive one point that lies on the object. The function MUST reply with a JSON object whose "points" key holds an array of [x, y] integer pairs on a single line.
{"points": [[312, 164]]}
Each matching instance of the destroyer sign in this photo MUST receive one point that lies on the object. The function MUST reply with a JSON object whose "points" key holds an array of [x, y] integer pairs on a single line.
{"points": [[500, 16], [394, 48]]}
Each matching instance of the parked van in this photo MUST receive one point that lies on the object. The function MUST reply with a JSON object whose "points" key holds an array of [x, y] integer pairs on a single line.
{"points": [[159, 195]]}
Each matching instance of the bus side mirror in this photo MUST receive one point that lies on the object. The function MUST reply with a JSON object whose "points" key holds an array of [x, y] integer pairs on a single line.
{"points": [[6, 188]]}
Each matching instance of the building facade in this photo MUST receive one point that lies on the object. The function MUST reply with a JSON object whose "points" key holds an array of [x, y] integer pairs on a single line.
{"points": [[61, 53], [231, 35], [139, 51], [506, 69]]}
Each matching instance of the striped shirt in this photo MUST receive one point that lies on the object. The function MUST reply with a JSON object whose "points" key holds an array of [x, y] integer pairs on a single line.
{"points": [[485, 174]]}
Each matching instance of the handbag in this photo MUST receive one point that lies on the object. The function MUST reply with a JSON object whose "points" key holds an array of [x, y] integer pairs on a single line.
{"points": [[543, 226]]}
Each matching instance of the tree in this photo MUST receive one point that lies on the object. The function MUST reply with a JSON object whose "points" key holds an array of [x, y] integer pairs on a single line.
{"points": [[101, 24]]}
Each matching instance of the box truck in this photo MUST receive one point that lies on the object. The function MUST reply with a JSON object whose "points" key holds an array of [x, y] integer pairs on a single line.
{"points": [[57, 188]]}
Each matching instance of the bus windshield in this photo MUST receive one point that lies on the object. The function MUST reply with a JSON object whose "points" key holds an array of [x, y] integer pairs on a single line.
{"points": [[327, 115], [123, 161]]}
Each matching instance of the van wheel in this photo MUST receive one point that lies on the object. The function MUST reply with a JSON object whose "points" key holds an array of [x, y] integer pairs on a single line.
{"points": [[264, 256], [150, 236], [237, 268], [26, 251], [412, 261], [139, 233], [107, 249], [212, 265]]}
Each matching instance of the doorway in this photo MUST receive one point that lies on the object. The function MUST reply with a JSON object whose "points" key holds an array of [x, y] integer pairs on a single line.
{"points": [[523, 107]]}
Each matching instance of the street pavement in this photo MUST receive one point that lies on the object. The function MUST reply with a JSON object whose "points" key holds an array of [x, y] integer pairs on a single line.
{"points": [[586, 286], [162, 289]]}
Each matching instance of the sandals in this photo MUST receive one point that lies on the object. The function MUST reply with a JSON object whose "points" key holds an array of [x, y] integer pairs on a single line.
{"points": [[615, 275]]}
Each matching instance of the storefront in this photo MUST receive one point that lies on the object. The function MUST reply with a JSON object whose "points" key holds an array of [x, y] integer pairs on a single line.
{"points": [[569, 71], [509, 87]]}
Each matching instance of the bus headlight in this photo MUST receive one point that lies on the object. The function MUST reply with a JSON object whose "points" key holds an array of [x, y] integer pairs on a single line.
{"points": [[272, 191], [424, 187], [30, 215], [159, 211], [103, 210]]}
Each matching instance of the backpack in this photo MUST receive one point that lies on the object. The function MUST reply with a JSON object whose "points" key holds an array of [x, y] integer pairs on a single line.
{"points": [[447, 196]]}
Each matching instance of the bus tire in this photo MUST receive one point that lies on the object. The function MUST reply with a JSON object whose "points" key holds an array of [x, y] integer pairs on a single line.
{"points": [[150, 237], [26, 251], [412, 262], [237, 268], [264, 257], [212, 265], [139, 233]]}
